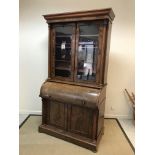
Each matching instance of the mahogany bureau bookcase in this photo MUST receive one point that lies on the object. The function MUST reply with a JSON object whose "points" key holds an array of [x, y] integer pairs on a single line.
{"points": [[73, 96]]}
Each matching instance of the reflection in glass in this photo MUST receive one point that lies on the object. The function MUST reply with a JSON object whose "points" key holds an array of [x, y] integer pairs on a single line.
{"points": [[87, 52], [63, 38]]}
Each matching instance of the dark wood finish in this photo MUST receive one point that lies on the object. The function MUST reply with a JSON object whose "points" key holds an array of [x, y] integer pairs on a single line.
{"points": [[102, 58], [106, 52], [49, 51], [80, 16], [80, 121], [73, 98], [76, 49], [103, 51], [91, 85], [57, 114]]}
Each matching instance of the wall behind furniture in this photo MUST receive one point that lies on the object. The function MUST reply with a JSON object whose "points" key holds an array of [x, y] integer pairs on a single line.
{"points": [[34, 42]]}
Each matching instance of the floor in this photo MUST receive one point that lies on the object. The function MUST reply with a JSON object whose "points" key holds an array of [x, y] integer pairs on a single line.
{"points": [[129, 128], [127, 125], [22, 117]]}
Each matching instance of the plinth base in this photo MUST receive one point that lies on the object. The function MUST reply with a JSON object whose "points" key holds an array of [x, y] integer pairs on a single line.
{"points": [[70, 137]]}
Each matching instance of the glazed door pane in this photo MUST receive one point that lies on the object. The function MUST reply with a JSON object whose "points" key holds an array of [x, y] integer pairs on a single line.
{"points": [[63, 50], [87, 51]]}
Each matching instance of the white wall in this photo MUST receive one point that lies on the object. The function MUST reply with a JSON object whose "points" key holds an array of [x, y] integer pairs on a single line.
{"points": [[33, 51]]}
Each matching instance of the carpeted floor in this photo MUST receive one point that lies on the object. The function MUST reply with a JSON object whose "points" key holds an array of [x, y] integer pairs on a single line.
{"points": [[32, 142]]}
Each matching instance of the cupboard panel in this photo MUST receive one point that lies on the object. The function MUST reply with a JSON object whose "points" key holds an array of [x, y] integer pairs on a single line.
{"points": [[57, 114], [80, 120]]}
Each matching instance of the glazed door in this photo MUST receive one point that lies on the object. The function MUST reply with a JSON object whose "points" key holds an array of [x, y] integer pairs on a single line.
{"points": [[87, 52], [63, 51]]}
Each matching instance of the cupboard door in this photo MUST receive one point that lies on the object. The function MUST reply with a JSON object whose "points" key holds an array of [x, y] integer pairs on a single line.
{"points": [[63, 53], [87, 47], [57, 114], [80, 120]]}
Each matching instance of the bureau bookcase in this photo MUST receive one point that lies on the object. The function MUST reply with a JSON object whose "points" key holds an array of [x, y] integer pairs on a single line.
{"points": [[73, 96]]}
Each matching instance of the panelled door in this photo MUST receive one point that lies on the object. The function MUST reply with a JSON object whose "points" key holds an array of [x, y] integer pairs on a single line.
{"points": [[75, 119], [57, 114], [80, 120]]}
